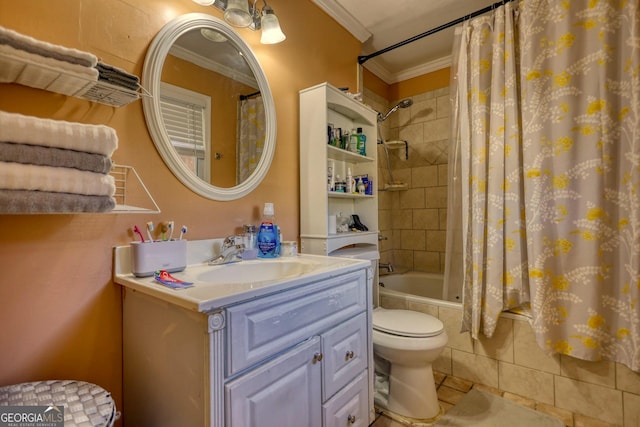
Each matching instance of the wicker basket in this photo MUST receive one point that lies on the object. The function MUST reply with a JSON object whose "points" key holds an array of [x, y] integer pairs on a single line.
{"points": [[85, 404]]}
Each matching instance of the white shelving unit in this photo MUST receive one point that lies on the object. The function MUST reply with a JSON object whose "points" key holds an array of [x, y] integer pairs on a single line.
{"points": [[320, 106]]}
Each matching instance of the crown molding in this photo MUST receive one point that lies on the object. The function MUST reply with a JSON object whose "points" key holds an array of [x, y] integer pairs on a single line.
{"points": [[428, 67], [344, 18], [390, 78]]}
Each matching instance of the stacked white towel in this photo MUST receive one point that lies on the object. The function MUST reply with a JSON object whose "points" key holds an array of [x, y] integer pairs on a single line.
{"points": [[44, 65], [55, 166]]}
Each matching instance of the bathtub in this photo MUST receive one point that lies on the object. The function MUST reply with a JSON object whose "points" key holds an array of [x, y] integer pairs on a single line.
{"points": [[415, 286], [422, 288]]}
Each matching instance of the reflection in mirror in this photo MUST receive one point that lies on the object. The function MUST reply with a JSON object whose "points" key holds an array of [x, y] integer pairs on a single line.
{"points": [[211, 107], [211, 115]]}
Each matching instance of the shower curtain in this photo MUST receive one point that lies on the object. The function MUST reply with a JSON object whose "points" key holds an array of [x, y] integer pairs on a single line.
{"points": [[549, 132], [251, 134], [454, 259]]}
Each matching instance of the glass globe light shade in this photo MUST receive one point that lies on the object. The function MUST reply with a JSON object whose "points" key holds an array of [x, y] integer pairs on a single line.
{"points": [[237, 13], [271, 31]]}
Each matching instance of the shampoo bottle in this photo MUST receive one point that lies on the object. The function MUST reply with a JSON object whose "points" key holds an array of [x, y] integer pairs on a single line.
{"points": [[268, 234]]}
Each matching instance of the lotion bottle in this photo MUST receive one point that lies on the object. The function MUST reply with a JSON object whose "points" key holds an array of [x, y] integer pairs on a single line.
{"points": [[350, 188], [331, 181]]}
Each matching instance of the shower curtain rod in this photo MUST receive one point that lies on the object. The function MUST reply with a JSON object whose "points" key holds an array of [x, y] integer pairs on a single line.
{"points": [[244, 97], [364, 58]]}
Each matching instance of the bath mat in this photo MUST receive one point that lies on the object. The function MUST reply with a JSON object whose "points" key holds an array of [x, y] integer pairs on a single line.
{"points": [[481, 409]]}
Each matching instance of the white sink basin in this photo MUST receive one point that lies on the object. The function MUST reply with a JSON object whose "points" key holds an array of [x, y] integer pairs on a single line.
{"points": [[256, 271]]}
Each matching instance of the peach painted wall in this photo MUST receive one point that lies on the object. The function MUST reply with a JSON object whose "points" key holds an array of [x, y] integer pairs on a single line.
{"points": [[59, 309], [406, 88], [420, 84], [375, 84]]}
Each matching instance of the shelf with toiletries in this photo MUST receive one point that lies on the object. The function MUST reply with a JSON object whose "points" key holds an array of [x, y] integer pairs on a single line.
{"points": [[332, 168], [27, 72], [338, 195], [339, 154]]}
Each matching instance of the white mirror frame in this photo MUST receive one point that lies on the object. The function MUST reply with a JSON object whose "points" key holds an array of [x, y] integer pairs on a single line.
{"points": [[151, 73]]}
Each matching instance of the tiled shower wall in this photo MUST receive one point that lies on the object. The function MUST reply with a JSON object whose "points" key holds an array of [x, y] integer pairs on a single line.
{"points": [[574, 390], [413, 220]]}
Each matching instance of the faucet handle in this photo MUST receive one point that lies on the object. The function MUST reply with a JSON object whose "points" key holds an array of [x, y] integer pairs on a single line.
{"points": [[230, 241]]}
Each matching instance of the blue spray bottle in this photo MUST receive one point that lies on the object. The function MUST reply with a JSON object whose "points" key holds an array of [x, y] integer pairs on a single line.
{"points": [[268, 234]]}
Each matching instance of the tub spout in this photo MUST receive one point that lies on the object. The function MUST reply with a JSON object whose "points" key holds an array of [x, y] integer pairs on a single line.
{"points": [[388, 266]]}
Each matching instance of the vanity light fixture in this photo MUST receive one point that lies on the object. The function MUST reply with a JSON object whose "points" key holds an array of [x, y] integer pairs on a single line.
{"points": [[240, 13]]}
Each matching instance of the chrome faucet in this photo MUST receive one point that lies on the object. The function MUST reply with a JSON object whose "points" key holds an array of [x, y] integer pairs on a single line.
{"points": [[388, 266], [231, 251]]}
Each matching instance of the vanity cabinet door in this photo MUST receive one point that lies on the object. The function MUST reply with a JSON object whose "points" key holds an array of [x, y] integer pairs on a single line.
{"points": [[283, 392], [350, 406], [345, 354]]}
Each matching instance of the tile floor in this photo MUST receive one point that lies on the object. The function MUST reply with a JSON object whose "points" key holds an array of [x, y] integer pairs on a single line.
{"points": [[452, 389]]}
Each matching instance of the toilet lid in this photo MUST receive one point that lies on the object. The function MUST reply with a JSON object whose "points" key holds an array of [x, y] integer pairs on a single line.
{"points": [[407, 323]]}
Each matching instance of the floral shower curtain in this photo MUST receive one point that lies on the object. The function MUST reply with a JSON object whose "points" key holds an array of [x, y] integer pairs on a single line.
{"points": [[552, 150], [251, 134]]}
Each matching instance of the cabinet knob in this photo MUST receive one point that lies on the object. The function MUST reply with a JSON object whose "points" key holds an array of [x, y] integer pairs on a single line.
{"points": [[351, 419], [317, 357], [349, 355]]}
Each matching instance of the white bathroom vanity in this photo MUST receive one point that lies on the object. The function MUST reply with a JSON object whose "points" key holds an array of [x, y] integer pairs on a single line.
{"points": [[283, 342]]}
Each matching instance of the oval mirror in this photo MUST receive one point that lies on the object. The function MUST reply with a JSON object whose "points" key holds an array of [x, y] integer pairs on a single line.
{"points": [[210, 111]]}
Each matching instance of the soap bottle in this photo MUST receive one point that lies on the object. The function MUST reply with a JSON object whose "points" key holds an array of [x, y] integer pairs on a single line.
{"points": [[360, 186], [268, 234]]}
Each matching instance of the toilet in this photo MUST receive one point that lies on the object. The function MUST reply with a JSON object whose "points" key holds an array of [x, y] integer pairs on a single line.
{"points": [[410, 342]]}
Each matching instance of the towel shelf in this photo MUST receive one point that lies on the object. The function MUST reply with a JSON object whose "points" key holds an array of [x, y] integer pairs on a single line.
{"points": [[42, 76], [131, 194]]}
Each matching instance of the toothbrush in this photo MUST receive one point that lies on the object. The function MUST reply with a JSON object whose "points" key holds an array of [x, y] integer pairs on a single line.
{"points": [[137, 231], [171, 230], [183, 231], [149, 230], [164, 227]]}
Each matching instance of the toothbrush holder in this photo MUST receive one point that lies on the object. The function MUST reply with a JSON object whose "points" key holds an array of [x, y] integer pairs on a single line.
{"points": [[147, 257]]}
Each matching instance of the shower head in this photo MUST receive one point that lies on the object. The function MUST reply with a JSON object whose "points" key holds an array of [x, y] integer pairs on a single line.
{"points": [[402, 104], [405, 103]]}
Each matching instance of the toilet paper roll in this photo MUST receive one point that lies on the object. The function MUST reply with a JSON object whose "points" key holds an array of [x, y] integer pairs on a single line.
{"points": [[332, 224]]}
